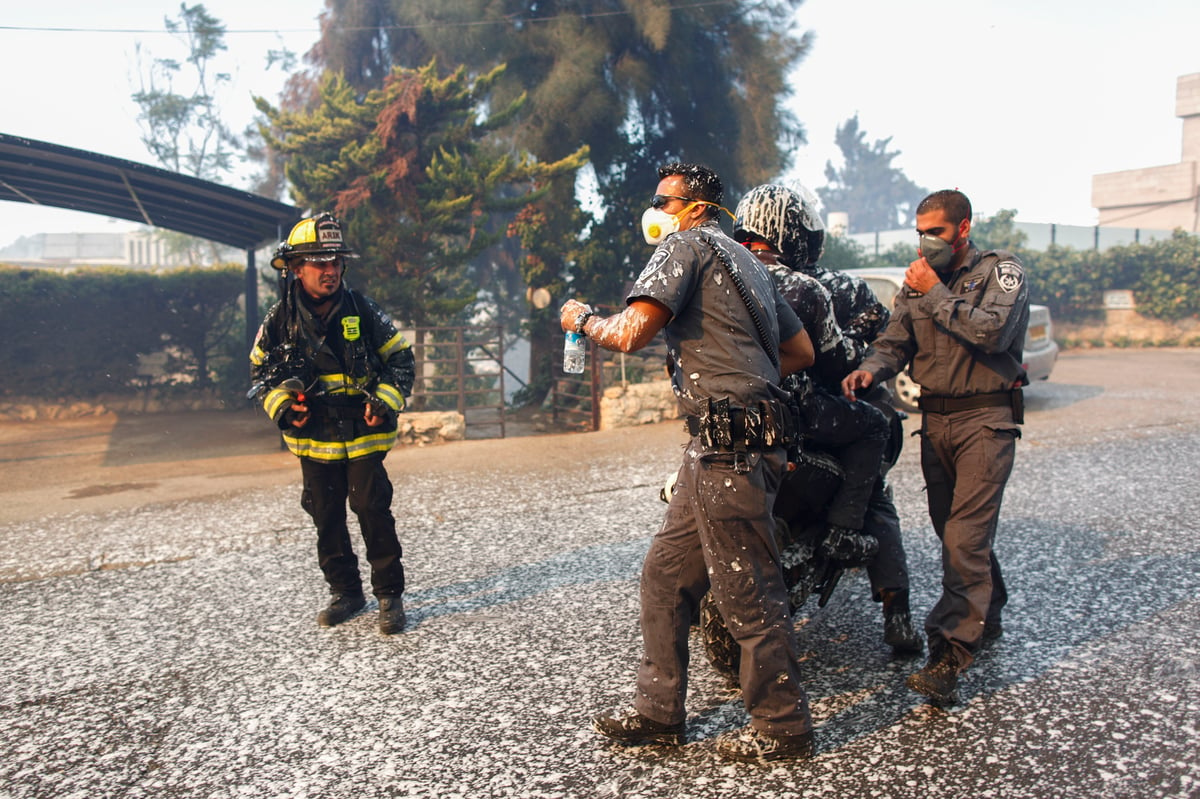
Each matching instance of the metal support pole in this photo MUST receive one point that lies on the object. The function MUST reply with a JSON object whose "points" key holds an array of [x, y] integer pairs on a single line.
{"points": [[251, 299], [462, 371]]}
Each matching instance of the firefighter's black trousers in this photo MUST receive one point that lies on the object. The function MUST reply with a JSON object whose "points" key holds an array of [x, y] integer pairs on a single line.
{"points": [[328, 485]]}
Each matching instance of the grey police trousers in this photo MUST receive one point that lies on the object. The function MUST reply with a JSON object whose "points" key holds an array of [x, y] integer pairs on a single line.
{"points": [[718, 533], [967, 457]]}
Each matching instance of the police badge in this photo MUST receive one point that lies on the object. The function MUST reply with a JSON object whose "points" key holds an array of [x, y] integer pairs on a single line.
{"points": [[1009, 276]]}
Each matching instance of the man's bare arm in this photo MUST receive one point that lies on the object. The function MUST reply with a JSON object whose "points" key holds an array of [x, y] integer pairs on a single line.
{"points": [[796, 354], [627, 331]]}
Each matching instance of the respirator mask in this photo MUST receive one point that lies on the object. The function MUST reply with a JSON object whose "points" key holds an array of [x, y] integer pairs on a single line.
{"points": [[657, 224], [938, 252]]}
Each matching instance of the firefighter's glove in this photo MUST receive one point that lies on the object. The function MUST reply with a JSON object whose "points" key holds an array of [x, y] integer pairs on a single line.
{"points": [[294, 415], [384, 405], [285, 405], [377, 413]]}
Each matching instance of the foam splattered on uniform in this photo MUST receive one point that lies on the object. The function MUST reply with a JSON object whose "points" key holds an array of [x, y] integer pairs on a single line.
{"points": [[836, 354], [686, 275], [716, 535]]}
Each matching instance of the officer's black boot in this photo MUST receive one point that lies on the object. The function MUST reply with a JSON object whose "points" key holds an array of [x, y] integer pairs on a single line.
{"points": [[799, 573], [750, 745], [632, 727], [992, 630], [938, 680], [391, 615], [342, 607], [898, 630]]}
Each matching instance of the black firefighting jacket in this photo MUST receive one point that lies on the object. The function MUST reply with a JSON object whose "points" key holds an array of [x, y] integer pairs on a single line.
{"points": [[352, 354]]}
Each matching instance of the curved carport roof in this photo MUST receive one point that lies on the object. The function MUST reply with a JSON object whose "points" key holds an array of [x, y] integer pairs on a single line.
{"points": [[38, 172]]}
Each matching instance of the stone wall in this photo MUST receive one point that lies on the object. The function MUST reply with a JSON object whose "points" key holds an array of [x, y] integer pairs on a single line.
{"points": [[1125, 328], [637, 403], [430, 427]]}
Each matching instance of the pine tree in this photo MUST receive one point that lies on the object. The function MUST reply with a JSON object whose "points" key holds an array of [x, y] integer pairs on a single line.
{"points": [[638, 82], [410, 169], [876, 195]]}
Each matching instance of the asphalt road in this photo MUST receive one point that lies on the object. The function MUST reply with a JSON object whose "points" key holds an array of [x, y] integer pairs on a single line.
{"points": [[158, 606]]}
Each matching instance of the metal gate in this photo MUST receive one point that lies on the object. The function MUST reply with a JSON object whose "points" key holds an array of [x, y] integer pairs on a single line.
{"points": [[575, 399], [462, 369]]}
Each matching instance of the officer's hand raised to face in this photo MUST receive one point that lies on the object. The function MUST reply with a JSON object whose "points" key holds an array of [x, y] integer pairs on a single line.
{"points": [[920, 276]]}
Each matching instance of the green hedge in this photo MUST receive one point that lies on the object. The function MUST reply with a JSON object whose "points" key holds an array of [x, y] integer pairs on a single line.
{"points": [[79, 334], [1163, 275]]}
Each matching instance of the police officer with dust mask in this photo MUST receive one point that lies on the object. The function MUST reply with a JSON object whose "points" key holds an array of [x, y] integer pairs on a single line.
{"points": [[730, 339], [959, 324]]}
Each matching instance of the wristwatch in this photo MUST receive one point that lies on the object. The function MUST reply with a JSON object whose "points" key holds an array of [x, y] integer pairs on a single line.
{"points": [[581, 320]]}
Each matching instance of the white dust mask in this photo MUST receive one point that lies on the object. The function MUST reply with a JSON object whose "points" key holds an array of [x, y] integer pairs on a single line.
{"points": [[657, 224]]}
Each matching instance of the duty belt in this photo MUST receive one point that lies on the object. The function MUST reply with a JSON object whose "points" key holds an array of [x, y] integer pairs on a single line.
{"points": [[723, 426], [934, 403]]}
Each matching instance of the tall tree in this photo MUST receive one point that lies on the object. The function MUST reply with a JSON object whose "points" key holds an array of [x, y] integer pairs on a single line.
{"points": [[179, 112], [639, 82], [999, 232], [183, 129], [876, 195], [409, 168]]}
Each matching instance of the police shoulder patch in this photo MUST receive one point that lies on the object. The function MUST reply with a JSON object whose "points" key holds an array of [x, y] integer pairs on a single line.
{"points": [[1009, 275]]}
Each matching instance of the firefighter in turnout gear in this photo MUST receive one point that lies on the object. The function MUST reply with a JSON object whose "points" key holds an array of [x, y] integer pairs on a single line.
{"points": [[333, 372]]}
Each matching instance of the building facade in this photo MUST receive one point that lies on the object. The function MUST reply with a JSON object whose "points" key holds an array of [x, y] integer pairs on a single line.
{"points": [[138, 249], [1159, 197]]}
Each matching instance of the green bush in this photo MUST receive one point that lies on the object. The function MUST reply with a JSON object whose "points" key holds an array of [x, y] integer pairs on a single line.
{"points": [[83, 333], [1166, 276]]}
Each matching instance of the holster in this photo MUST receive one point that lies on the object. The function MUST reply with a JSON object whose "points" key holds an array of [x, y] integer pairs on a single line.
{"points": [[719, 425], [1018, 405]]}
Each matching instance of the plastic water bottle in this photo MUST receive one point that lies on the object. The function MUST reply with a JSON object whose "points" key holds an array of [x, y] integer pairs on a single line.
{"points": [[574, 353]]}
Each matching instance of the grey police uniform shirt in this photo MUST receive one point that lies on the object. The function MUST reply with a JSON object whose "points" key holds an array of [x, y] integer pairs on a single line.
{"points": [[965, 336], [713, 349]]}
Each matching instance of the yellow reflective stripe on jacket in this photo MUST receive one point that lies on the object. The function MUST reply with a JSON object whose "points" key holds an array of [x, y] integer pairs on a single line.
{"points": [[338, 383], [258, 356], [393, 344], [275, 401], [340, 450], [342, 384], [391, 396]]}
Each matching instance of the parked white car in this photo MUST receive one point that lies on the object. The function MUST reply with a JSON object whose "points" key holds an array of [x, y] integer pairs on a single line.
{"points": [[1040, 352]]}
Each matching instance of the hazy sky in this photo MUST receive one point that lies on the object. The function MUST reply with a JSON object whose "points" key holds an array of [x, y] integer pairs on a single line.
{"points": [[1017, 102]]}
